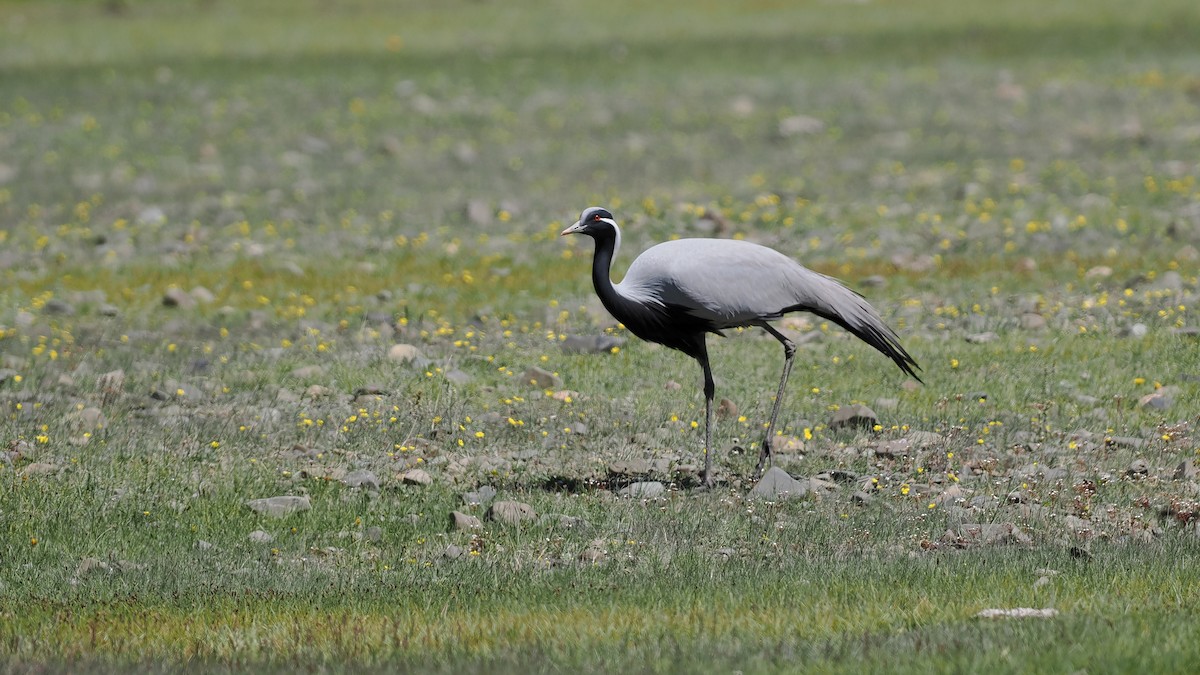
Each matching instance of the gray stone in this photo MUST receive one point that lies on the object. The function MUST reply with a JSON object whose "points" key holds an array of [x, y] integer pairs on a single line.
{"points": [[1185, 471], [511, 513], [484, 495], [1138, 468], [366, 480], [453, 552], [861, 497], [855, 415], [416, 477], [629, 467], [1033, 321], [278, 507], [778, 485], [373, 533], [456, 376], [58, 306], [261, 537], [177, 297], [1156, 401], [590, 344], [464, 521], [540, 378], [39, 469], [982, 338], [643, 490], [987, 534], [403, 353]]}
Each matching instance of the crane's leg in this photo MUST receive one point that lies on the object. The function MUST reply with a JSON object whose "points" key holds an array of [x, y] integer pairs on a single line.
{"points": [[710, 390], [789, 355]]}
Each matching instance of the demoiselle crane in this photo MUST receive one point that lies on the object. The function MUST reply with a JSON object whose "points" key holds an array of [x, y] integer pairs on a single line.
{"points": [[677, 292]]}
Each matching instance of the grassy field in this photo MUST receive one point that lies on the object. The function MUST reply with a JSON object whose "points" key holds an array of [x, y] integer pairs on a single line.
{"points": [[218, 221]]}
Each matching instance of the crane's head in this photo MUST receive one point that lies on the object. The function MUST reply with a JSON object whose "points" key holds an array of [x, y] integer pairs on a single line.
{"points": [[592, 221]]}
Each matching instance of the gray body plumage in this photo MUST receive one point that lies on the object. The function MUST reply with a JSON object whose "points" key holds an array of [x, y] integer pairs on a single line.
{"points": [[734, 283]]}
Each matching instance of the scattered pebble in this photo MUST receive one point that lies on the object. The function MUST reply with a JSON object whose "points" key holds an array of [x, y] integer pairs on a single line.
{"points": [[278, 507], [590, 344], [366, 480], [1018, 613], [855, 415], [403, 353], [484, 495], [260, 537], [416, 477], [511, 513], [464, 521], [778, 485], [540, 378], [643, 490]]}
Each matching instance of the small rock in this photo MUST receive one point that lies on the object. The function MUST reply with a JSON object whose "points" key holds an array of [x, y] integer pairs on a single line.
{"points": [[778, 485], [594, 554], [58, 306], [112, 382], [261, 537], [672, 385], [278, 507], [454, 552], [987, 534], [1078, 526], [629, 467], [364, 479], [982, 338], [403, 353], [39, 469], [1156, 400], [1138, 468], [1033, 321], [726, 409], [317, 391], [1098, 272], [894, 449], [1138, 331], [511, 513], [1185, 471], [464, 521], [540, 378], [416, 477], [89, 419], [590, 344], [177, 297], [202, 295], [1018, 613], [202, 545], [643, 490], [861, 498], [456, 376], [484, 495], [856, 415], [373, 533], [91, 565]]}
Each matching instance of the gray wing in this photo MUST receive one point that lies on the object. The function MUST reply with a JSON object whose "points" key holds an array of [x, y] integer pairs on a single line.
{"points": [[736, 283]]}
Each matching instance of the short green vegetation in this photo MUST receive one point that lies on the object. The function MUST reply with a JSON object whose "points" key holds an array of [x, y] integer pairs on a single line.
{"points": [[310, 249]]}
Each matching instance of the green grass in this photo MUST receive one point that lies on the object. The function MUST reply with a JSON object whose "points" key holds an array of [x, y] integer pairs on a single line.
{"points": [[341, 177]]}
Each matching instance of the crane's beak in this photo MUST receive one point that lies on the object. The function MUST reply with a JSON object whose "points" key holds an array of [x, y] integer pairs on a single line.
{"points": [[577, 227]]}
